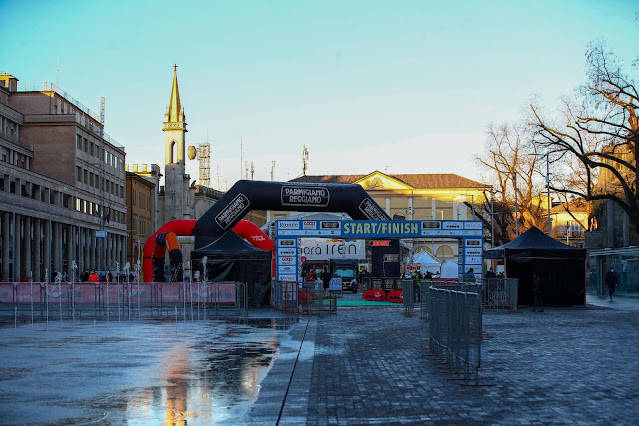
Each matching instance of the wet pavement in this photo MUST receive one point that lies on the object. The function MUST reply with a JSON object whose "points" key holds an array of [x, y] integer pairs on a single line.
{"points": [[360, 366]]}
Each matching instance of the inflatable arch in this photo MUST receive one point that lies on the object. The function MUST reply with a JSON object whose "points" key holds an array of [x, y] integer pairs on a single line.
{"points": [[154, 249], [247, 195]]}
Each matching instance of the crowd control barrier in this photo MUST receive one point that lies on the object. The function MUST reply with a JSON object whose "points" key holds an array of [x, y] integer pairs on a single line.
{"points": [[456, 329], [110, 301], [305, 297]]}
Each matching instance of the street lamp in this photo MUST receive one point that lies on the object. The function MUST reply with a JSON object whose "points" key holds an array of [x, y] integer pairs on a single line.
{"points": [[547, 187]]}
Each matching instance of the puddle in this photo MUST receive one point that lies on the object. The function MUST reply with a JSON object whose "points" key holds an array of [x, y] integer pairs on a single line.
{"points": [[138, 373]]}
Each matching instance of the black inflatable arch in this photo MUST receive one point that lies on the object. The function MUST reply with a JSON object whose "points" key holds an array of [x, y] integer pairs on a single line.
{"points": [[247, 195]]}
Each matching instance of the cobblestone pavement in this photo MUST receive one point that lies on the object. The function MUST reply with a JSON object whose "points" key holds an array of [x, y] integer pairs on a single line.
{"points": [[370, 366]]}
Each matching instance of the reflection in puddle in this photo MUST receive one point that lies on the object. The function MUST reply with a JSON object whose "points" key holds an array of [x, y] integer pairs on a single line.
{"points": [[209, 375]]}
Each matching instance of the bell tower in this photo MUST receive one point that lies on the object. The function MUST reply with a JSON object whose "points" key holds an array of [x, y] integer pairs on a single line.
{"points": [[176, 182], [174, 127]]}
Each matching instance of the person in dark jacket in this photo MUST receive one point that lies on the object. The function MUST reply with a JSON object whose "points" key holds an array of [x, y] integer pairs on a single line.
{"points": [[326, 280], [538, 292], [611, 282]]}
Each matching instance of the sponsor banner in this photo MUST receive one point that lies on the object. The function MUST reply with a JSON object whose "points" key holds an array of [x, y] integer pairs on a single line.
{"points": [[453, 225], [286, 260], [374, 295], [396, 296], [287, 252], [287, 242], [287, 277], [297, 195], [473, 242], [472, 260], [288, 224], [393, 257], [474, 224], [329, 224], [473, 252], [186, 239], [309, 224], [286, 269], [333, 248], [371, 210], [387, 228], [234, 211]]}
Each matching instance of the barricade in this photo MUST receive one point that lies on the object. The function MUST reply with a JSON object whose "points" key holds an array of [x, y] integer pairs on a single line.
{"points": [[500, 293], [26, 301], [409, 296], [285, 296], [456, 329]]}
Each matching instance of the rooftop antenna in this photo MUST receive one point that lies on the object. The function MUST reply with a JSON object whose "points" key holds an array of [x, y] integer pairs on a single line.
{"points": [[204, 162], [252, 170], [272, 169], [246, 169], [304, 160]]}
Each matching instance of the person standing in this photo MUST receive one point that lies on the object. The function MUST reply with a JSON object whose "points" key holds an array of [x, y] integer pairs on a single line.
{"points": [[416, 287], [470, 276], [538, 292], [326, 280], [611, 282]]}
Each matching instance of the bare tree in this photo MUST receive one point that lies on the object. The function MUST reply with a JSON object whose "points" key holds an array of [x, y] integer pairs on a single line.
{"points": [[597, 138], [510, 156]]}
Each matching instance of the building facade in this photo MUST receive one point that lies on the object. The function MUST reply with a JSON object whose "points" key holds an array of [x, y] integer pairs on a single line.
{"points": [[62, 185]]}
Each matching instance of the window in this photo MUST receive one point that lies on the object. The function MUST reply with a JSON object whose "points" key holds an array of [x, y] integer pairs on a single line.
{"points": [[91, 145], [78, 142], [78, 174], [91, 179], [85, 144], [133, 198]]}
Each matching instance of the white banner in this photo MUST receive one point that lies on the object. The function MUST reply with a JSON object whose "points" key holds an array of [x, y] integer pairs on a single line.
{"points": [[333, 248]]}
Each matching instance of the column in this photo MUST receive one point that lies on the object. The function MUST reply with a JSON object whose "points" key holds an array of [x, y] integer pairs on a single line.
{"points": [[92, 249], [47, 250], [17, 248], [81, 265], [26, 245], [70, 249], [87, 246], [6, 231], [37, 246], [56, 248]]}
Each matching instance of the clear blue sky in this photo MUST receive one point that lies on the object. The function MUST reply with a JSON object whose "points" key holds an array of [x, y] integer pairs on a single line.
{"points": [[402, 86]]}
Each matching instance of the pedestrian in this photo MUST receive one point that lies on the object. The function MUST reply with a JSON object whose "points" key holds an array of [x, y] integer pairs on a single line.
{"points": [[93, 277], [326, 280], [416, 286], [538, 292], [469, 276], [490, 274], [611, 282]]}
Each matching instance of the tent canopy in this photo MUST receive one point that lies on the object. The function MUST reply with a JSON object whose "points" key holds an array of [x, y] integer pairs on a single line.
{"points": [[230, 258], [425, 259], [231, 246], [535, 244]]}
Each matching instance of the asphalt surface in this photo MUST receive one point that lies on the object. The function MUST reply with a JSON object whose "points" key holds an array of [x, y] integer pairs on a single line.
{"points": [[362, 365]]}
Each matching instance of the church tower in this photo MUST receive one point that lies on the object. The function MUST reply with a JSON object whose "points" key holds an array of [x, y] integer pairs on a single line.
{"points": [[176, 182]]}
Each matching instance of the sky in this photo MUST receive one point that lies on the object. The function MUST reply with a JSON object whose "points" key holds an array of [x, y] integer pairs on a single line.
{"points": [[395, 86]]}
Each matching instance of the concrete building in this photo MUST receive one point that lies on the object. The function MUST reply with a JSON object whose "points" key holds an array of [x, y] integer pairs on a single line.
{"points": [[61, 184], [141, 206]]}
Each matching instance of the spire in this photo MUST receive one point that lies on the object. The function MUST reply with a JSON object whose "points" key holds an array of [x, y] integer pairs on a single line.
{"points": [[175, 112]]}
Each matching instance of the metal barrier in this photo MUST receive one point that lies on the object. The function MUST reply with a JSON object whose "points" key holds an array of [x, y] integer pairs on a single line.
{"points": [[409, 295], [305, 297], [111, 300], [456, 329], [500, 293]]}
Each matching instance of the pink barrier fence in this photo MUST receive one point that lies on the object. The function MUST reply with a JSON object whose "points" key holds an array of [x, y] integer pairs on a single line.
{"points": [[101, 298]]}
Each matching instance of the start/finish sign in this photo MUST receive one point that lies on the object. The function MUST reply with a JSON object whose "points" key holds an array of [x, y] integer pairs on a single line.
{"points": [[289, 247]]}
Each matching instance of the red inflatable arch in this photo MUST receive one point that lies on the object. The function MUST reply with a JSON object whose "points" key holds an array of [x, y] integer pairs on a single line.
{"points": [[184, 227]]}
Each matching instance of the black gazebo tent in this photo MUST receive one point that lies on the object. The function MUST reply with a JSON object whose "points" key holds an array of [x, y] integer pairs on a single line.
{"points": [[562, 268], [230, 258]]}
